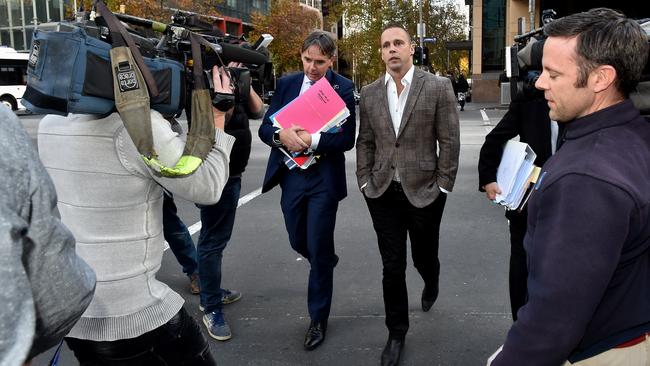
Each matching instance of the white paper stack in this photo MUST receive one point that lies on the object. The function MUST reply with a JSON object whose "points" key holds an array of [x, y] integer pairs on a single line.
{"points": [[514, 173]]}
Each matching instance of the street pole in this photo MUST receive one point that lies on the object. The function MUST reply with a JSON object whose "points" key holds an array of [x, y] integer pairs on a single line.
{"points": [[421, 31], [531, 10]]}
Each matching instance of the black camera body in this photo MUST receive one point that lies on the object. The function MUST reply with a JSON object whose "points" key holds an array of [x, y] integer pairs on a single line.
{"points": [[525, 61], [176, 45]]}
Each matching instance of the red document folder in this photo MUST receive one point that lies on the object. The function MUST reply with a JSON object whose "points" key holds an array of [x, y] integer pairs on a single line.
{"points": [[316, 110]]}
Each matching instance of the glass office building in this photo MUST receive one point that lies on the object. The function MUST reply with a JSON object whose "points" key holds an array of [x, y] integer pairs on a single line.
{"points": [[18, 18]]}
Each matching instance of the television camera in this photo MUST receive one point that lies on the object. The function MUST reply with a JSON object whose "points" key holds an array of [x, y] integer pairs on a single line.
{"points": [[219, 49]]}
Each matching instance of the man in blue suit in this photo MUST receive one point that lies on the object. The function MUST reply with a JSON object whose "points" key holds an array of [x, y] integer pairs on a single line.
{"points": [[310, 196]]}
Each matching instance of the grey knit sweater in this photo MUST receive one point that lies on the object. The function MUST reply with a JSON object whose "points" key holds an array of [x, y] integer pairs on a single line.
{"points": [[113, 204], [44, 285]]}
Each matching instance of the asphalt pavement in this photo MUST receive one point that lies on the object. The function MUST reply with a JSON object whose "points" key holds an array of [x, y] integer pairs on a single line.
{"points": [[467, 323]]}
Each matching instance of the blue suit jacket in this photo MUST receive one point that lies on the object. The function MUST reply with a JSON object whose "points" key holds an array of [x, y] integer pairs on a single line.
{"points": [[331, 146]]}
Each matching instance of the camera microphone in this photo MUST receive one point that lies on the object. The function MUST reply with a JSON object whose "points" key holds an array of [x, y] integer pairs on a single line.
{"points": [[232, 52]]}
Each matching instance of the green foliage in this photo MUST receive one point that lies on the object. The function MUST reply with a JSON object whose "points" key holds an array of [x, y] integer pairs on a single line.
{"points": [[289, 23], [153, 9], [365, 19]]}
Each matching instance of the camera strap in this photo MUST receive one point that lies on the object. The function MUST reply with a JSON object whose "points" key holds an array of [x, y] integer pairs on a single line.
{"points": [[130, 87], [200, 138], [133, 84]]}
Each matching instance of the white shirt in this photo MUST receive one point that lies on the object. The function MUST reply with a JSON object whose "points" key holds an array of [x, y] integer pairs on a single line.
{"points": [[554, 133], [396, 103], [315, 137]]}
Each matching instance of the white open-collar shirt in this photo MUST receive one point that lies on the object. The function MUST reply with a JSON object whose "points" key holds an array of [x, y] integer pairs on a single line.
{"points": [[396, 103]]}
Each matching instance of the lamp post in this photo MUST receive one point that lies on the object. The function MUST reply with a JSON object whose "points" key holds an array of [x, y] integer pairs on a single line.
{"points": [[421, 34]]}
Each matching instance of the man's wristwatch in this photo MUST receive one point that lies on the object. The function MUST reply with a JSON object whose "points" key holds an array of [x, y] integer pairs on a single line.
{"points": [[276, 138]]}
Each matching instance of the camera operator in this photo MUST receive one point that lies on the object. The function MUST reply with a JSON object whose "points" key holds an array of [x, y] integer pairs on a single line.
{"points": [[528, 119], [112, 202], [217, 222]]}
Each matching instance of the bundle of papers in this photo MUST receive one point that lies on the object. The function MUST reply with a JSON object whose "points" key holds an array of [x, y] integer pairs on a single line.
{"points": [[319, 109], [516, 173]]}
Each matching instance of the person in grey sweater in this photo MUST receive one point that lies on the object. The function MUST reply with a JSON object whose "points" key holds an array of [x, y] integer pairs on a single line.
{"points": [[45, 285], [112, 202]]}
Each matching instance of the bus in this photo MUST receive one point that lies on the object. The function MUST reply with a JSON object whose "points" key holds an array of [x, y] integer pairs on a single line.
{"points": [[13, 77]]}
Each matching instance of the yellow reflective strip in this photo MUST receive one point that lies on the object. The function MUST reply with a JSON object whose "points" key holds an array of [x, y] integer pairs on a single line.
{"points": [[185, 166]]}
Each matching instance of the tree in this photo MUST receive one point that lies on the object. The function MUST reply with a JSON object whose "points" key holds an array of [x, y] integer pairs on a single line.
{"points": [[289, 24], [158, 9], [365, 20]]}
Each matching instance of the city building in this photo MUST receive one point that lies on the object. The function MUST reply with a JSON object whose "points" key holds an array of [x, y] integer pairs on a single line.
{"points": [[495, 23], [19, 17]]}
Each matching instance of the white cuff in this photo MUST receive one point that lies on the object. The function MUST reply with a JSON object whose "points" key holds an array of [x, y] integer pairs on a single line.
{"points": [[443, 190], [315, 139]]}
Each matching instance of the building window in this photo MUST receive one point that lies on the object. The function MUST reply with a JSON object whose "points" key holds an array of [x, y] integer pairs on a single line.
{"points": [[494, 33]]}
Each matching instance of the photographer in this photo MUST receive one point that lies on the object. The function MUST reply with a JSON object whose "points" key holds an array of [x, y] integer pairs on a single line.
{"points": [[217, 222], [112, 202]]}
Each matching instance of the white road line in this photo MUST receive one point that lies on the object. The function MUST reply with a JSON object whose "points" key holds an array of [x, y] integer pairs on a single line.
{"points": [[242, 201], [486, 119]]}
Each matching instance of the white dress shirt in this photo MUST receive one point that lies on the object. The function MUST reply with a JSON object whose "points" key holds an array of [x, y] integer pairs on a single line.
{"points": [[396, 103], [315, 137]]}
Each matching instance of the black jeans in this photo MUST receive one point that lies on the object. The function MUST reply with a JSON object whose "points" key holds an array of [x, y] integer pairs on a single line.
{"points": [[393, 217], [518, 275], [179, 342]]}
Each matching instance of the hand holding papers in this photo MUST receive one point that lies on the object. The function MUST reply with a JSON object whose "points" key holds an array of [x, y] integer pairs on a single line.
{"points": [[515, 173], [319, 109]]}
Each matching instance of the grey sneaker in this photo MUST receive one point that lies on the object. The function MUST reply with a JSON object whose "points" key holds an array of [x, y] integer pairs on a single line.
{"points": [[217, 326], [230, 296]]}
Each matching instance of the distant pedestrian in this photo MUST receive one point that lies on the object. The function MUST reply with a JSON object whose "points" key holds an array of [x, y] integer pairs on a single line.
{"points": [[461, 91]]}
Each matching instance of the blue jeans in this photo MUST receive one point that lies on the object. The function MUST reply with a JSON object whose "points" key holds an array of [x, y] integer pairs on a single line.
{"points": [[178, 237], [217, 222]]}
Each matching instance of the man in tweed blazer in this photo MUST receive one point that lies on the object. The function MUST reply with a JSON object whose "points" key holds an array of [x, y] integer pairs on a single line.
{"points": [[407, 158]]}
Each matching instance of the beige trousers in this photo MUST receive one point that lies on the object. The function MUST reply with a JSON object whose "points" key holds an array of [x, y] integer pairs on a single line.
{"points": [[637, 355]]}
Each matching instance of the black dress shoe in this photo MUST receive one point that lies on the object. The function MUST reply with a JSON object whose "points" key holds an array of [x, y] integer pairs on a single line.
{"points": [[315, 334], [429, 296], [392, 352]]}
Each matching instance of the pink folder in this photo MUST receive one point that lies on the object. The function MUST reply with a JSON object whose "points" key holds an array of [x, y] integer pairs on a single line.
{"points": [[316, 110]]}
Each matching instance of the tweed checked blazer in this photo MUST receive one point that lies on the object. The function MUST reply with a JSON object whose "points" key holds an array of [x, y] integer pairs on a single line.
{"points": [[426, 149]]}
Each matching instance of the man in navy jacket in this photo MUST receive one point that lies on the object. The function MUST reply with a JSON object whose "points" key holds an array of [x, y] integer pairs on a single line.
{"points": [[588, 239], [310, 196]]}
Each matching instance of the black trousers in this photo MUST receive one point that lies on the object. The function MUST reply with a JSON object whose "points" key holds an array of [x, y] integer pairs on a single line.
{"points": [[393, 217], [518, 275], [179, 342]]}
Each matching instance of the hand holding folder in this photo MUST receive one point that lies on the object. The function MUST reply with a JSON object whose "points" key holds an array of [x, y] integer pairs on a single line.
{"points": [[515, 174], [319, 109]]}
